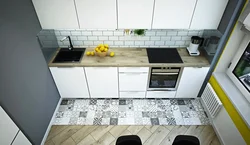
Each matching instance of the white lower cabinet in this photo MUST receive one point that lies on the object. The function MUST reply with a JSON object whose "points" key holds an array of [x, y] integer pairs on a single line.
{"points": [[21, 139], [191, 80], [102, 82], [70, 82], [133, 94], [161, 94]]}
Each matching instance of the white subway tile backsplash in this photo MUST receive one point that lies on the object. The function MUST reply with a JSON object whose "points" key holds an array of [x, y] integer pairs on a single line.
{"points": [[168, 43], [113, 38], [98, 42], [97, 33], [76, 33], [118, 42], [150, 33], [161, 33], [109, 42], [129, 43], [118, 33], [117, 38], [179, 42], [65, 33], [155, 38], [103, 38], [79, 43], [160, 43], [87, 33], [139, 42], [165, 38], [149, 43], [82, 38], [107, 33], [92, 38], [182, 33], [174, 38], [172, 33], [88, 42]]}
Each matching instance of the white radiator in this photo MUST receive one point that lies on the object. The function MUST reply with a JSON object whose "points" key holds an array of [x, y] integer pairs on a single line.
{"points": [[211, 101]]}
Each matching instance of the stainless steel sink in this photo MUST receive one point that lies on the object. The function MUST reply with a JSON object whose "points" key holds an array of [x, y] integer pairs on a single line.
{"points": [[69, 56]]}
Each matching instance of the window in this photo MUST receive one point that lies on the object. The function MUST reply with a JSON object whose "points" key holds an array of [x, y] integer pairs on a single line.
{"points": [[239, 71]]}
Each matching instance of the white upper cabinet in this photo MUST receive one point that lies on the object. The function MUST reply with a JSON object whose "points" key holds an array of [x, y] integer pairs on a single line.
{"points": [[208, 13], [102, 82], [173, 14], [56, 14], [70, 82], [135, 14], [191, 81], [97, 14]]}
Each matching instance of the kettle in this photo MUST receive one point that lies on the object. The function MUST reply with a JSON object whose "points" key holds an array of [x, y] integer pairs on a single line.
{"points": [[212, 43]]}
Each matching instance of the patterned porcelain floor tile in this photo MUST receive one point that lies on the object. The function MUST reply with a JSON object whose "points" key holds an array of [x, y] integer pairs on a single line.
{"points": [[131, 112]]}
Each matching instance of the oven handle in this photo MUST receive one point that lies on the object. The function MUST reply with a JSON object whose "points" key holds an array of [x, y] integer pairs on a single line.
{"points": [[165, 73]]}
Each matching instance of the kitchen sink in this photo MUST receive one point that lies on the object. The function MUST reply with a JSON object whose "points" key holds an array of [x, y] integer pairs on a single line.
{"points": [[69, 56]]}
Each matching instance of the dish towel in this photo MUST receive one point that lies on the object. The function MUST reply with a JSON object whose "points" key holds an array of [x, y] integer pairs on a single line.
{"points": [[247, 22]]}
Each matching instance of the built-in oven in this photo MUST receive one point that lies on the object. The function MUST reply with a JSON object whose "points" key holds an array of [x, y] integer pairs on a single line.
{"points": [[164, 78]]}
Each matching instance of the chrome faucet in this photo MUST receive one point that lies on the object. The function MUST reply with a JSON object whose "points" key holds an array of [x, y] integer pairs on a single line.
{"points": [[70, 43]]}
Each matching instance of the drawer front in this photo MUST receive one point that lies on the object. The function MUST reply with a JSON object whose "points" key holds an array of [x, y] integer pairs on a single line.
{"points": [[132, 94], [134, 69], [161, 94], [133, 81]]}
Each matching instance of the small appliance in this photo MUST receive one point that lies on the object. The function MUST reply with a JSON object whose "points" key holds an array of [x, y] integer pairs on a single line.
{"points": [[194, 45], [211, 44]]}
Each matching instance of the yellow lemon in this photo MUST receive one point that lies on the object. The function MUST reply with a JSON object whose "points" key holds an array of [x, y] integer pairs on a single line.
{"points": [[106, 45], [88, 53], [100, 45], [106, 49], [93, 53], [96, 49], [102, 48], [112, 54]]}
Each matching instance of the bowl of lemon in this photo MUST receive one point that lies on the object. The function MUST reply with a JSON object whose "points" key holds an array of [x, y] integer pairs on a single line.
{"points": [[101, 50]]}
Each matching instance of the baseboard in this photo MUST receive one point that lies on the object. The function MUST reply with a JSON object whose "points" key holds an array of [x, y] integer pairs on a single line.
{"points": [[51, 122]]}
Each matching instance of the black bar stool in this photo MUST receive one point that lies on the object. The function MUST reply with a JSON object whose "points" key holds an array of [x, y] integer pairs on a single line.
{"points": [[129, 140], [186, 140]]}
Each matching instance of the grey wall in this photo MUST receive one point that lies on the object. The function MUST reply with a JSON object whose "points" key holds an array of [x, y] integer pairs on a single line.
{"points": [[27, 90]]}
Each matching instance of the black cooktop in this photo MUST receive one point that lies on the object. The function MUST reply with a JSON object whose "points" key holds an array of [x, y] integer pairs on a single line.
{"points": [[163, 55]]}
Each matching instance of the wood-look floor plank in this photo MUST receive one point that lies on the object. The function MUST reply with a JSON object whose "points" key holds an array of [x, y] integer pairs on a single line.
{"points": [[88, 140], [82, 133], [126, 132], [215, 141], [117, 130], [100, 131], [65, 134], [49, 142], [169, 127], [56, 129], [106, 139], [177, 130], [152, 128], [144, 134], [206, 136], [157, 137], [69, 141], [134, 129], [195, 130]]}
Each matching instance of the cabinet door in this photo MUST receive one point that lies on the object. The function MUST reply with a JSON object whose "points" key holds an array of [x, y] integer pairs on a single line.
{"points": [[133, 81], [173, 14], [135, 14], [102, 82], [133, 94], [161, 94], [208, 13], [97, 14], [70, 82], [8, 128], [56, 14], [191, 80], [21, 139]]}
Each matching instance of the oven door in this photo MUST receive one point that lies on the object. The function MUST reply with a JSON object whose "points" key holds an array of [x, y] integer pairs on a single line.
{"points": [[163, 81]]}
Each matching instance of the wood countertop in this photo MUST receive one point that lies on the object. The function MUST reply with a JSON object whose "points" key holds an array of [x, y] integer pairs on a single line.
{"points": [[131, 57]]}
